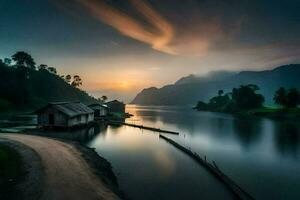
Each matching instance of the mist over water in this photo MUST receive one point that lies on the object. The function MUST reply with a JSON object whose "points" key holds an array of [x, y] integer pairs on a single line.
{"points": [[261, 155]]}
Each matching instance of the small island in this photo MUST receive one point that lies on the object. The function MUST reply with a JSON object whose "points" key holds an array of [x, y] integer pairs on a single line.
{"points": [[246, 100]]}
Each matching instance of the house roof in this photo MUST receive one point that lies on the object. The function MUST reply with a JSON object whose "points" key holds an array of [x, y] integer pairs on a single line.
{"points": [[70, 109], [98, 104], [114, 102]]}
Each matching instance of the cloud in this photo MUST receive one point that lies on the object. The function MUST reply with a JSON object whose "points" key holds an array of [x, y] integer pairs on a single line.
{"points": [[187, 32], [158, 36], [158, 32]]}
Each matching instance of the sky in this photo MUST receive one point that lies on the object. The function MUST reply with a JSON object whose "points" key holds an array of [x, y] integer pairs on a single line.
{"points": [[119, 47]]}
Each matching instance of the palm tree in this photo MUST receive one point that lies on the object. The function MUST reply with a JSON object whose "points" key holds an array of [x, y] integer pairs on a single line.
{"points": [[293, 98], [280, 97]]}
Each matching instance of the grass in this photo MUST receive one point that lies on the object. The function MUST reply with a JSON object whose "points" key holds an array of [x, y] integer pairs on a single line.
{"points": [[10, 172], [274, 112]]}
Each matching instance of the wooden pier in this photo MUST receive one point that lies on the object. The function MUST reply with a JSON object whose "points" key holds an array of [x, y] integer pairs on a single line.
{"points": [[143, 127], [213, 169]]}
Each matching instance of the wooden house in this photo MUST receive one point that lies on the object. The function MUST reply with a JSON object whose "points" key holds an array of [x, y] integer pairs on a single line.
{"points": [[100, 110], [65, 115], [116, 106]]}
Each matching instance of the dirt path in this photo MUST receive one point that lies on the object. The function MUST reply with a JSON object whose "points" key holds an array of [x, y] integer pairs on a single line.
{"points": [[68, 176]]}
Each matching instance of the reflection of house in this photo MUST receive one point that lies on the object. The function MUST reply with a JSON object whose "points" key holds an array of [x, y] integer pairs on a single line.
{"points": [[100, 110], [116, 106], [65, 114]]}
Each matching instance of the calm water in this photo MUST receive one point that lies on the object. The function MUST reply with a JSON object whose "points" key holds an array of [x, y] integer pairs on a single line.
{"points": [[262, 155]]}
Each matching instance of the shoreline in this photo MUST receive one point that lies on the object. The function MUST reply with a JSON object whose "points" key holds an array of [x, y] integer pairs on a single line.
{"points": [[100, 166], [29, 184], [279, 114], [95, 166]]}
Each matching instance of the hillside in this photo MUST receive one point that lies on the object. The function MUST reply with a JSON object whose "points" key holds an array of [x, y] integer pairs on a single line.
{"points": [[190, 89], [27, 89]]}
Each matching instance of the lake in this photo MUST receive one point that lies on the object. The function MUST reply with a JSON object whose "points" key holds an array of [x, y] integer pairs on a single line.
{"points": [[261, 155]]}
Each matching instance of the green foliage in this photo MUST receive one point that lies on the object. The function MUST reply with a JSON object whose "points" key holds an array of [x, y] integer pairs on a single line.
{"points": [[23, 59], [7, 61], [104, 98], [288, 99], [280, 96], [77, 82], [68, 78], [293, 98], [242, 98], [25, 88], [245, 97]]}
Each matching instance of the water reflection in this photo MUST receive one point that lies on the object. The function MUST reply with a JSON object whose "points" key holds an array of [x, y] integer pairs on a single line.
{"points": [[287, 138], [247, 130], [81, 135], [262, 155]]}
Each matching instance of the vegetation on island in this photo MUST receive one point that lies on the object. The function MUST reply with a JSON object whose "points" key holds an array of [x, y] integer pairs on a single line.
{"points": [[247, 100], [26, 86], [188, 90]]}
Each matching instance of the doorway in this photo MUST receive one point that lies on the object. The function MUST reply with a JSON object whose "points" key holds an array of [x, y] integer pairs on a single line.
{"points": [[51, 119]]}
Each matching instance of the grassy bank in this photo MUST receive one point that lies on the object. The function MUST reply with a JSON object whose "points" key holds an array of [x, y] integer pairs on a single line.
{"points": [[271, 112], [10, 172], [274, 112]]}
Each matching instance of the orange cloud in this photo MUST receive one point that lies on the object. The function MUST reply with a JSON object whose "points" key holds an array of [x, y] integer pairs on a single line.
{"points": [[186, 39], [159, 37]]}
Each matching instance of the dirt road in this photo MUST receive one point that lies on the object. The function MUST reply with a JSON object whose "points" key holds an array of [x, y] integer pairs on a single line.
{"points": [[67, 175]]}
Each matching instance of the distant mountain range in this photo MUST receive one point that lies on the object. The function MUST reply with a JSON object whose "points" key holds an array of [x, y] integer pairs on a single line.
{"points": [[188, 90]]}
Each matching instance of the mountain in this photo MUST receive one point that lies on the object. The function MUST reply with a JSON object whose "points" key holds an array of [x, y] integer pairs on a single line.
{"points": [[28, 89], [190, 89], [212, 76]]}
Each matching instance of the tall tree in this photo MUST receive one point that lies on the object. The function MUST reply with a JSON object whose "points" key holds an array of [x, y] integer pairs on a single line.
{"points": [[7, 61], [68, 78], [42, 67], [77, 81], [293, 98], [23, 59], [104, 98], [280, 97], [220, 92], [245, 97], [52, 70]]}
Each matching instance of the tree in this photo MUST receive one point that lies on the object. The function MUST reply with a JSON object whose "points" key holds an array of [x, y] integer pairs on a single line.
{"points": [[42, 67], [23, 59], [104, 98], [7, 61], [220, 92], [68, 78], [245, 97], [292, 98], [77, 82], [280, 97], [52, 70]]}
